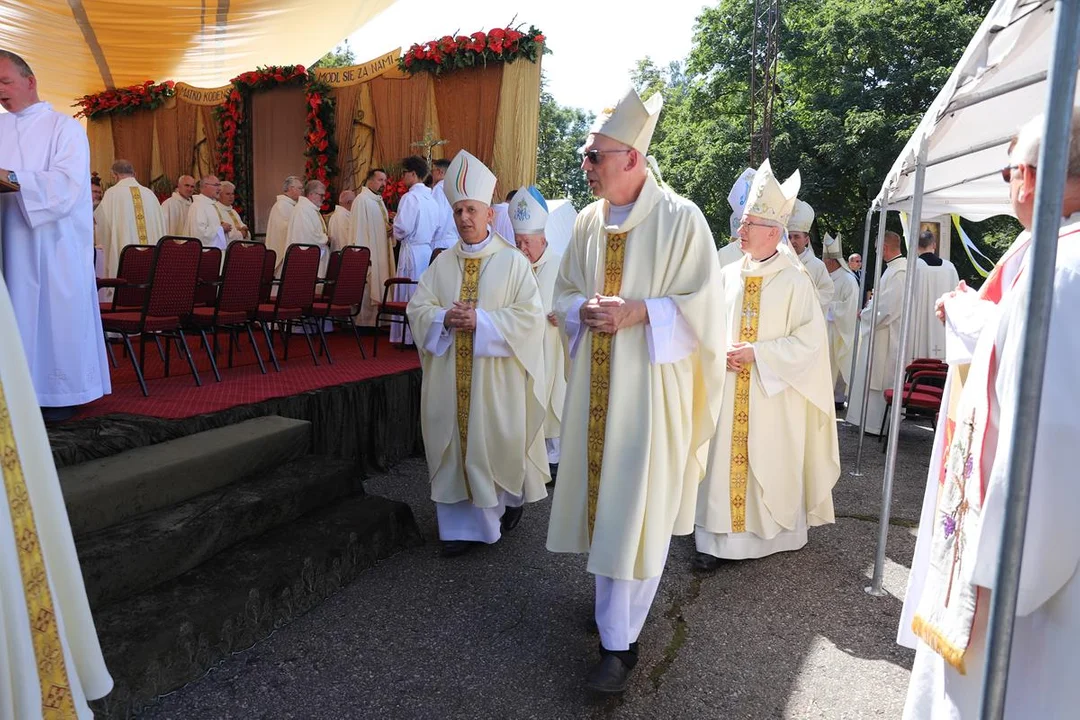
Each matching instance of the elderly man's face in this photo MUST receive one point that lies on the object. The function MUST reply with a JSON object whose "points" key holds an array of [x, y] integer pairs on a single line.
{"points": [[609, 172], [210, 187], [228, 195], [96, 192], [1022, 193], [16, 92], [186, 187], [317, 194], [758, 239], [532, 245], [472, 218], [799, 240], [294, 191], [855, 262]]}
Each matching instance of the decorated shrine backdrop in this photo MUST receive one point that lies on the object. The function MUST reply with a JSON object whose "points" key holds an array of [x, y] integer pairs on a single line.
{"points": [[492, 110]]}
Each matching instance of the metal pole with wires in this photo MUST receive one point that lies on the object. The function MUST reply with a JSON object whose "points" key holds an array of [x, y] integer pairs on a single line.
{"points": [[862, 294], [897, 408], [1049, 190]]}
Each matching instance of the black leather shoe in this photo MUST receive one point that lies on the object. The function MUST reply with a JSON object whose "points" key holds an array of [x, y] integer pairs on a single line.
{"points": [[510, 518], [553, 468], [609, 676], [456, 548], [58, 414], [591, 626], [703, 562]]}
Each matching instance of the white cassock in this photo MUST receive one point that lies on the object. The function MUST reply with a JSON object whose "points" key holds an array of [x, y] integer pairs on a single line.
{"points": [[340, 228], [1044, 662], [369, 228], [175, 210], [47, 236], [129, 214], [277, 229], [883, 313], [501, 224], [446, 235], [306, 226], [756, 500], [819, 274], [555, 357], [36, 542], [204, 222], [840, 317], [229, 215], [730, 253], [927, 332], [415, 224]]}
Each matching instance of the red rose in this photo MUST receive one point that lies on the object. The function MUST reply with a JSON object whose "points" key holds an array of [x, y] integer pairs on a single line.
{"points": [[497, 33], [538, 38]]}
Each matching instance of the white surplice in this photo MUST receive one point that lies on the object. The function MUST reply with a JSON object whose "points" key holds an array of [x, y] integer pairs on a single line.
{"points": [[446, 234], [47, 236], [306, 226], [340, 228], [415, 225], [175, 210], [819, 274], [277, 229], [927, 332], [841, 316], [116, 225], [204, 222], [87, 676]]}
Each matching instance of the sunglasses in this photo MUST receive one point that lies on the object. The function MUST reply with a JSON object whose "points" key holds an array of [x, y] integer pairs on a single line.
{"points": [[1006, 172], [594, 156]]}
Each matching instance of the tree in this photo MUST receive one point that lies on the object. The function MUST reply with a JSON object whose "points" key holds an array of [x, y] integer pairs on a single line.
{"points": [[341, 56], [563, 130]]}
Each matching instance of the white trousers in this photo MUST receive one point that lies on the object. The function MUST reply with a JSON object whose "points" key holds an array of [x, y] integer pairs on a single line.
{"points": [[553, 451], [465, 521], [621, 608]]}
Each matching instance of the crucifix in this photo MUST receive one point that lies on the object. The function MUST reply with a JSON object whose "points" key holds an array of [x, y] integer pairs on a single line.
{"points": [[428, 142], [748, 314]]}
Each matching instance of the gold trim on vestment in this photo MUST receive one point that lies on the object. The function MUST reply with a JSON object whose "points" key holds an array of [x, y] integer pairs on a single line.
{"points": [[56, 699], [600, 376], [140, 214], [463, 342], [740, 427]]}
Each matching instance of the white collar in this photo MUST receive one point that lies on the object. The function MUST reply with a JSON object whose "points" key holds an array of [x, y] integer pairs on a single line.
{"points": [[472, 249]]}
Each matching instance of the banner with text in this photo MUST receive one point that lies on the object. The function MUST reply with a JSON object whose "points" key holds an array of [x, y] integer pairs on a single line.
{"points": [[340, 77]]}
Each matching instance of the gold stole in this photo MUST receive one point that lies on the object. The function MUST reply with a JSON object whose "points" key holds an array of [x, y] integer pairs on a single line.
{"points": [[56, 698], [140, 214], [740, 430], [600, 375], [463, 342]]}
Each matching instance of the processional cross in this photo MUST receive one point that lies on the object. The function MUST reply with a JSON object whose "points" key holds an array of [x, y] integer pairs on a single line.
{"points": [[428, 142]]}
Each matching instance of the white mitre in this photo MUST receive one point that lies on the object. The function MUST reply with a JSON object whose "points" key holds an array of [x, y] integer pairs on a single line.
{"points": [[631, 121], [468, 179], [769, 199], [802, 217], [737, 198], [528, 211], [833, 248]]}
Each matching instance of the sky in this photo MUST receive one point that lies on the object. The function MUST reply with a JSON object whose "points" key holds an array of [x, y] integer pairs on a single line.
{"points": [[595, 43]]}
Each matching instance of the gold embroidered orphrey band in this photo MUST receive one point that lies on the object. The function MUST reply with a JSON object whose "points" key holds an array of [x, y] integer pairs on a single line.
{"points": [[463, 341], [740, 426], [56, 700], [140, 214], [600, 375]]}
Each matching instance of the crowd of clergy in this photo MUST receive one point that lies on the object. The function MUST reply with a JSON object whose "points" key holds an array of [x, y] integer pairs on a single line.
{"points": [[673, 389]]}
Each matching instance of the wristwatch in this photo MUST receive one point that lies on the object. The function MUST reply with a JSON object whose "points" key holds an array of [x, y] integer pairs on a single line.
{"points": [[12, 178]]}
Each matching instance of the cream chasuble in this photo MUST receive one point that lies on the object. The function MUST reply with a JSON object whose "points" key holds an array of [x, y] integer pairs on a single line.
{"points": [[820, 275], [50, 658], [555, 357], [730, 253], [635, 434], [277, 229], [175, 210], [369, 229], [483, 417], [306, 226], [841, 316], [229, 215], [204, 222], [775, 457], [339, 228], [927, 332], [129, 214]]}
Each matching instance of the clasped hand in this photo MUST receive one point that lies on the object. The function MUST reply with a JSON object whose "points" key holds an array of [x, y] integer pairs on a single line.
{"points": [[739, 354], [462, 317], [226, 227], [611, 314], [939, 306]]}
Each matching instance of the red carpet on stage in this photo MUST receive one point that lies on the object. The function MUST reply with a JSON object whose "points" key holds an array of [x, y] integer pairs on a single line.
{"points": [[178, 397]]}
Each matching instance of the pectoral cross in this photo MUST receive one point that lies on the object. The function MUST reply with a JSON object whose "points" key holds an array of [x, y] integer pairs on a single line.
{"points": [[748, 318], [428, 142]]}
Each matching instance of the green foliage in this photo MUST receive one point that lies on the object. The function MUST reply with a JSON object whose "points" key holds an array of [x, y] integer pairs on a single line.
{"points": [[341, 56], [563, 131]]}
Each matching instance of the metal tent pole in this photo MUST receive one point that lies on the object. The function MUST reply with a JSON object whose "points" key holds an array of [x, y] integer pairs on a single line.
{"points": [[862, 294], [901, 363], [1049, 189]]}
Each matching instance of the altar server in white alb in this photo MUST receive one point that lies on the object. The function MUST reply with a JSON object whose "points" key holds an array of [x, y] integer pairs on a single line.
{"points": [[47, 244], [799, 224], [277, 225], [841, 315], [529, 214], [176, 206], [446, 235], [639, 297], [954, 569], [936, 276], [306, 224], [732, 251], [228, 214], [775, 457], [50, 659], [480, 324], [204, 218], [339, 228], [129, 214], [415, 227]]}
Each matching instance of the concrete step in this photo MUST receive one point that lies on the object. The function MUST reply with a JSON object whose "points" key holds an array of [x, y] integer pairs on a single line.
{"points": [[102, 493], [157, 641], [140, 553]]}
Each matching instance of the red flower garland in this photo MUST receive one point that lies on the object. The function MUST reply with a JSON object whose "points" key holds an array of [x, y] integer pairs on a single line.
{"points": [[125, 100], [450, 53], [392, 193]]}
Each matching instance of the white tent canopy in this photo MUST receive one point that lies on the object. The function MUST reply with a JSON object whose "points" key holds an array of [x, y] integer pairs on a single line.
{"points": [[967, 133]]}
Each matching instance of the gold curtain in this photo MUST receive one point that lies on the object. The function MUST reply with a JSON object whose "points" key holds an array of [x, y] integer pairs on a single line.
{"points": [[100, 134], [468, 105], [133, 140], [399, 116], [168, 145], [187, 125], [210, 127], [346, 100], [361, 150], [518, 127]]}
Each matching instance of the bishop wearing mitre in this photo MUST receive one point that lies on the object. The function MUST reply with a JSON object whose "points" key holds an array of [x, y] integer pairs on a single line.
{"points": [[775, 457], [370, 229], [204, 219], [528, 214], [841, 315], [732, 251], [306, 223], [129, 214], [799, 224], [639, 298], [479, 323], [277, 224]]}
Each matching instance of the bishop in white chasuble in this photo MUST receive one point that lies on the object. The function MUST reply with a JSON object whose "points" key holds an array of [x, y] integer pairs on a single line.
{"points": [[204, 218], [176, 206]]}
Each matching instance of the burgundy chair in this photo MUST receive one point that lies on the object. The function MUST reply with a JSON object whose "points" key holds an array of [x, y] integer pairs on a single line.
{"points": [[344, 296], [295, 296], [238, 297], [269, 264], [206, 287], [924, 386], [132, 275], [332, 267], [169, 299]]}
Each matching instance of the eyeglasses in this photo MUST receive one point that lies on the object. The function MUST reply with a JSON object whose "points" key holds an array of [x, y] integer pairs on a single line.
{"points": [[747, 223], [1006, 172], [593, 156]]}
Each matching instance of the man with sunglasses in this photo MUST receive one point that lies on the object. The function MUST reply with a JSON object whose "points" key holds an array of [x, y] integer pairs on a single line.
{"points": [[203, 220], [639, 297]]}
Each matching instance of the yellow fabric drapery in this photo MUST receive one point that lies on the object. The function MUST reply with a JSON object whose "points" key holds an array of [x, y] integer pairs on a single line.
{"points": [[468, 105], [210, 130], [346, 100], [187, 124], [517, 130]]}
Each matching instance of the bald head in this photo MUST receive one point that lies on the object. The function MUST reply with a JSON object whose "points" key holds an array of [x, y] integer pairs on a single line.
{"points": [[345, 199], [892, 246], [210, 186], [185, 186], [18, 86]]}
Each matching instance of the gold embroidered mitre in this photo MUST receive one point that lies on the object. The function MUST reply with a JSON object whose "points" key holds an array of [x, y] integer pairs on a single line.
{"points": [[770, 200]]}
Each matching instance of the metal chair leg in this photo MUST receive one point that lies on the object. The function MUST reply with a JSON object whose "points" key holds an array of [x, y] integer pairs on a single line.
{"points": [[190, 359], [359, 340], [322, 336], [254, 348], [109, 351], [135, 364], [307, 338], [270, 346], [210, 353]]}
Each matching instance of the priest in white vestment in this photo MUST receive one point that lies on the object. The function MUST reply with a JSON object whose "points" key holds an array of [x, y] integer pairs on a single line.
{"points": [[501, 222], [446, 235], [277, 225], [63, 653], [882, 316], [415, 225], [841, 316], [340, 226], [176, 206], [371, 229], [306, 224], [936, 276], [204, 220], [480, 322], [799, 224], [954, 570], [529, 213], [775, 457], [228, 214], [129, 214], [47, 245], [639, 298]]}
